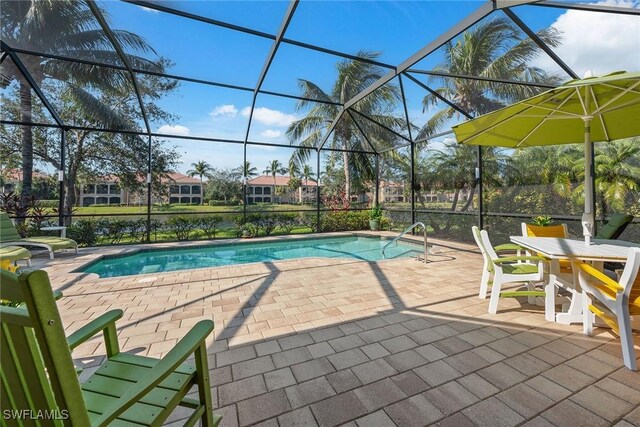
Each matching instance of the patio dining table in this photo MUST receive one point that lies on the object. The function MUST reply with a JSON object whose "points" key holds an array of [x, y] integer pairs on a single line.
{"points": [[555, 249]]}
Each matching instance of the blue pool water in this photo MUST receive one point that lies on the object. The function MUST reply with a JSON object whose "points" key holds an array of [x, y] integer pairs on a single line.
{"points": [[157, 260]]}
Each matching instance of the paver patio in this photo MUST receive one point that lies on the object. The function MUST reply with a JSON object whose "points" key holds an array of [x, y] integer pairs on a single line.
{"points": [[330, 342]]}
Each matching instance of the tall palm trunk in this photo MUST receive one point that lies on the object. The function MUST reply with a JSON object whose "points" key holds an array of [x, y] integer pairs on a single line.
{"points": [[70, 195], [470, 198], [27, 142], [202, 191], [347, 177]]}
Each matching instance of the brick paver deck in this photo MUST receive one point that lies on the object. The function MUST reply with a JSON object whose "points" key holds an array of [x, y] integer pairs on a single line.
{"points": [[343, 342]]}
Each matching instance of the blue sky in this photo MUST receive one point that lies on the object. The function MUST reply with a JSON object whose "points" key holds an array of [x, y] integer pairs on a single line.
{"points": [[396, 29]]}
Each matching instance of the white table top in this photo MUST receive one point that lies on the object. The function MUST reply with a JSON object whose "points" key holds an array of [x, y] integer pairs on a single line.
{"points": [[53, 228], [557, 248]]}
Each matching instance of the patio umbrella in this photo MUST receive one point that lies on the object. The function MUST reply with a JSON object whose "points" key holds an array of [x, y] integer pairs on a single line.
{"points": [[591, 109]]}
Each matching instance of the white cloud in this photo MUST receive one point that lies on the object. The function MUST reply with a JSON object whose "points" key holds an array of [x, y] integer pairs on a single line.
{"points": [[174, 130], [600, 42], [148, 9], [269, 117], [227, 110], [270, 133]]}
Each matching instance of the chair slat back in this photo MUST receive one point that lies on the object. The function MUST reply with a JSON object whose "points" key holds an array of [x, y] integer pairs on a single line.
{"points": [[37, 369], [478, 238], [24, 381], [629, 282], [530, 230], [484, 238], [8, 232]]}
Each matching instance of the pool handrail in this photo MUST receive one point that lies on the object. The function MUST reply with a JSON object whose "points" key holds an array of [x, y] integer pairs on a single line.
{"points": [[405, 231]]}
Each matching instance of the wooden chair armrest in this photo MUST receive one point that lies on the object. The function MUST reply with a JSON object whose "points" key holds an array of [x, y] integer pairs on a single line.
{"points": [[511, 259], [105, 323], [165, 366]]}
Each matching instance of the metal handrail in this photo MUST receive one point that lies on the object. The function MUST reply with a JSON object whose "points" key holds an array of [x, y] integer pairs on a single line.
{"points": [[405, 231]]}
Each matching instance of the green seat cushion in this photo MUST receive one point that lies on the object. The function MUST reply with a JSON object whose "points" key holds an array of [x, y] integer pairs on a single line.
{"points": [[14, 253], [8, 232], [610, 229], [520, 268]]}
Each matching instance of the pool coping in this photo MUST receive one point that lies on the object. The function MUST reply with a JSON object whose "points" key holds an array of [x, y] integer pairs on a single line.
{"points": [[148, 248]]}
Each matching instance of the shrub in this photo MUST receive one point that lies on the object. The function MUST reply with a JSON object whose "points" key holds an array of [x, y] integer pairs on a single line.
{"points": [[287, 222], [209, 224], [182, 227], [112, 230], [345, 221], [83, 231], [248, 230], [266, 223], [137, 230], [238, 221], [156, 225], [309, 220]]}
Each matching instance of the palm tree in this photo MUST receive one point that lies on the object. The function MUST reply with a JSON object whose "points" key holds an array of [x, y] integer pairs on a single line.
{"points": [[618, 173], [275, 167], [353, 77], [247, 171], [307, 173], [200, 169], [494, 49], [67, 28]]}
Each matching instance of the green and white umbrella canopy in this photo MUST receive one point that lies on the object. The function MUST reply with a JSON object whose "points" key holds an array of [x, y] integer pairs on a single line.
{"points": [[592, 109]]}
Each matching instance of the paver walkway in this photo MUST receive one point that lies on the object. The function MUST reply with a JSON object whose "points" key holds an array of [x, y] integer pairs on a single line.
{"points": [[330, 342]]}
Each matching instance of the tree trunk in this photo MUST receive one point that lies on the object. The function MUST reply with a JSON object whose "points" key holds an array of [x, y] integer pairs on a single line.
{"points": [[347, 176], [456, 195], [69, 193], [201, 191], [27, 142], [470, 199]]}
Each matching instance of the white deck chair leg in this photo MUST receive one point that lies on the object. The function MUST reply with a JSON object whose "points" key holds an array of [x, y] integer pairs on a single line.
{"points": [[531, 287], [587, 316], [550, 299], [495, 293], [484, 283], [50, 253], [626, 339]]}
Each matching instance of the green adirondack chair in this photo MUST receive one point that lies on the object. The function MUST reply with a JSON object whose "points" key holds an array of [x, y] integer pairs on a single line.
{"points": [[38, 378]]}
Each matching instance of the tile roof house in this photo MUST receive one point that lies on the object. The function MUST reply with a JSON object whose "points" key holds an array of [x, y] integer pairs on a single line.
{"points": [[267, 189]]}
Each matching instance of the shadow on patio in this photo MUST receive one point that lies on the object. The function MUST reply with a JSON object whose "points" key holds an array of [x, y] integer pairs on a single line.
{"points": [[326, 342]]}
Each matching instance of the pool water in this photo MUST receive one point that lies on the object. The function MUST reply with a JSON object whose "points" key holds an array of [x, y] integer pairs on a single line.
{"points": [[161, 260]]}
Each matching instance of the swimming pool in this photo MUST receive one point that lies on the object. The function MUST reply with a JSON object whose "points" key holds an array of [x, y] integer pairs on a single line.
{"points": [[161, 260]]}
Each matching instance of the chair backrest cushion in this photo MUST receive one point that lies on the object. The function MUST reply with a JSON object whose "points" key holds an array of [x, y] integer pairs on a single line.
{"points": [[614, 227], [8, 232], [36, 360], [530, 230]]}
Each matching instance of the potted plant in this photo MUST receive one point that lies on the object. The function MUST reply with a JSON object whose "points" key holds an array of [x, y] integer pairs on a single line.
{"points": [[542, 221], [375, 214]]}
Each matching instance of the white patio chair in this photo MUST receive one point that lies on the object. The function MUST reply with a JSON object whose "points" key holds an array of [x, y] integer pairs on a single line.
{"points": [[512, 270]]}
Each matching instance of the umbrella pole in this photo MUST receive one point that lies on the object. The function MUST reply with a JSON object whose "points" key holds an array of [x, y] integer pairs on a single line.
{"points": [[588, 217]]}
